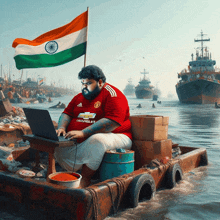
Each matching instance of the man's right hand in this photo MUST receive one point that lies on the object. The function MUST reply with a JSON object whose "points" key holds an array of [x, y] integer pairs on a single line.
{"points": [[61, 131]]}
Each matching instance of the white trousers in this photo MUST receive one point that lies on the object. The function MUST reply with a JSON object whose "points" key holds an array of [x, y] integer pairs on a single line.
{"points": [[91, 151]]}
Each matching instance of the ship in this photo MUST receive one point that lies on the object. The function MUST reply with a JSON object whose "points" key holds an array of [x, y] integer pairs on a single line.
{"points": [[144, 90], [200, 83], [129, 88]]}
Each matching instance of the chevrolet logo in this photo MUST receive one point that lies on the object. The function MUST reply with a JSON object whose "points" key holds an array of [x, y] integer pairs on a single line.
{"points": [[87, 115]]}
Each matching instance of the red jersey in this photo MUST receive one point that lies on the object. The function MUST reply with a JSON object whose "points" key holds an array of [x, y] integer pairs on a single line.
{"points": [[110, 103]]}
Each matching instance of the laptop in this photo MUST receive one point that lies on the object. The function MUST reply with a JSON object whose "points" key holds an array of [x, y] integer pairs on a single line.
{"points": [[41, 124]]}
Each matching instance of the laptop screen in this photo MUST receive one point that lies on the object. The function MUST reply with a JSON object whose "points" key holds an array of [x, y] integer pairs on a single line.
{"points": [[41, 123]]}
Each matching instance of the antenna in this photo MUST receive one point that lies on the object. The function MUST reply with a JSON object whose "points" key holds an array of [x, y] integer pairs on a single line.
{"points": [[201, 40], [144, 73]]}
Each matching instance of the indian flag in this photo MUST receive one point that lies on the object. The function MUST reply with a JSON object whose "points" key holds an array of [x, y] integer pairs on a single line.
{"points": [[40, 82], [53, 48]]}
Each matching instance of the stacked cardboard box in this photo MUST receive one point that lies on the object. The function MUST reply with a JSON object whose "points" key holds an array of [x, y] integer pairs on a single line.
{"points": [[150, 141]]}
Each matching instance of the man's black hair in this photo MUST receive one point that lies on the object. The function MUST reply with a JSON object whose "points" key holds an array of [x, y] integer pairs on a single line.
{"points": [[92, 72]]}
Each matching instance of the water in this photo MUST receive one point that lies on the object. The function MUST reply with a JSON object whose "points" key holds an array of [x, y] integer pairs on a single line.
{"points": [[198, 194]]}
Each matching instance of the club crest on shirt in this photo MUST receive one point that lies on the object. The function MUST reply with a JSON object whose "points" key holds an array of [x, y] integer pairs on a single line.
{"points": [[97, 104], [86, 115]]}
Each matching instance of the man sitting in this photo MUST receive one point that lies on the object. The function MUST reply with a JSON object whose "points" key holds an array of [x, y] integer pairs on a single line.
{"points": [[98, 118]]}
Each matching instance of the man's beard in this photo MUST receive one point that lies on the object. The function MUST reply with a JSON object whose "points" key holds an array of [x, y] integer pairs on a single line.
{"points": [[91, 95]]}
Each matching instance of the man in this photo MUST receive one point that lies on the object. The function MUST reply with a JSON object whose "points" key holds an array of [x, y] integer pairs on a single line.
{"points": [[98, 118]]}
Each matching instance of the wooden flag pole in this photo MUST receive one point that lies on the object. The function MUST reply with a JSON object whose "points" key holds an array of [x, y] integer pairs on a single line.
{"points": [[86, 37]]}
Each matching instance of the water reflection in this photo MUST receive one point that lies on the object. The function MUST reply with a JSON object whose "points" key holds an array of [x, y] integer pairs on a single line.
{"points": [[199, 118]]}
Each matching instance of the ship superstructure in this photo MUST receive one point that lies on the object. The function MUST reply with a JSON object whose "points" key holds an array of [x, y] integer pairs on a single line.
{"points": [[129, 88], [200, 83], [144, 90]]}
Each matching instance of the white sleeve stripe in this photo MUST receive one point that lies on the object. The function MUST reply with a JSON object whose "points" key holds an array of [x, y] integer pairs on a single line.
{"points": [[111, 91], [114, 94]]}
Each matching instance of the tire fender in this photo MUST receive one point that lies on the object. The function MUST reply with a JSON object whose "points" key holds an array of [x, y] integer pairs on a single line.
{"points": [[173, 175], [141, 188], [203, 160]]}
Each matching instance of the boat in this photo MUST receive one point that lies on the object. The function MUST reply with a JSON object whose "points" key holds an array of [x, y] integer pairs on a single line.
{"points": [[129, 88], [200, 83], [144, 90], [103, 197]]}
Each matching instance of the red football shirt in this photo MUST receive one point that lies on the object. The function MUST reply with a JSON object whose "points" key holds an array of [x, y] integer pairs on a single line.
{"points": [[111, 103]]}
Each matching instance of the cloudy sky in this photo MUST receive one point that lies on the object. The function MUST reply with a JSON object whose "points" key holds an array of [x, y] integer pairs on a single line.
{"points": [[124, 37]]}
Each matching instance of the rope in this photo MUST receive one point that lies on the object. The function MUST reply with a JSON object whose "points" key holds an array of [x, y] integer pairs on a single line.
{"points": [[121, 190], [94, 202], [120, 183]]}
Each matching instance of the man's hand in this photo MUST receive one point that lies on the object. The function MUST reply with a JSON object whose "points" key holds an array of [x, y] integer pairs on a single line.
{"points": [[74, 134], [61, 131]]}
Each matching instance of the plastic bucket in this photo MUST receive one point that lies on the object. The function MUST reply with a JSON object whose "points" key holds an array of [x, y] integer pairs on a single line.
{"points": [[116, 163], [64, 179]]}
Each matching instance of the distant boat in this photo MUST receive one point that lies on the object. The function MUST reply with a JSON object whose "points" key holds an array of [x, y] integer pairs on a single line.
{"points": [[155, 97], [144, 90], [200, 84], [129, 88]]}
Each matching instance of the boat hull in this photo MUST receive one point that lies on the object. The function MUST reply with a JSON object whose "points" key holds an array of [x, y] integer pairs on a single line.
{"points": [[199, 92], [97, 201], [143, 94]]}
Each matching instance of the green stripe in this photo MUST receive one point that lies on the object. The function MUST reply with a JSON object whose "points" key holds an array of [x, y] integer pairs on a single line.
{"points": [[47, 60]]}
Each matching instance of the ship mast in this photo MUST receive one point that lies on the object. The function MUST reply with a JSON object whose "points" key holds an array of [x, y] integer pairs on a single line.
{"points": [[197, 40], [144, 73]]}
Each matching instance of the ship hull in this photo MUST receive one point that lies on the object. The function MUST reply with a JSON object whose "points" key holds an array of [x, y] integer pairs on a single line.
{"points": [[143, 94], [199, 92]]}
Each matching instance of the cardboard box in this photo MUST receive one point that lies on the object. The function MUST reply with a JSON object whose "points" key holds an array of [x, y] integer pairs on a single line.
{"points": [[149, 127], [145, 151]]}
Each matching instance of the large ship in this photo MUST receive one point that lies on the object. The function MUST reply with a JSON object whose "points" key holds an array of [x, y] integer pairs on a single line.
{"points": [[144, 90], [129, 88], [200, 84]]}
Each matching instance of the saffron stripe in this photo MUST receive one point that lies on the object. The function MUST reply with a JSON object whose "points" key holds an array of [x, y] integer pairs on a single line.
{"points": [[46, 60], [64, 43], [77, 24]]}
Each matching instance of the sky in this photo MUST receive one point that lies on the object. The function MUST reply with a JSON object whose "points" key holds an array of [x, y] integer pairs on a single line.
{"points": [[124, 37]]}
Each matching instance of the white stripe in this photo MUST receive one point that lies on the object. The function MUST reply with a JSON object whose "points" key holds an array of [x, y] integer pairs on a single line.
{"points": [[64, 43], [111, 91]]}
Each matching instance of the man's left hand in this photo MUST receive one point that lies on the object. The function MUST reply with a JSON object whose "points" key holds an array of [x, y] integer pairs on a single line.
{"points": [[74, 134]]}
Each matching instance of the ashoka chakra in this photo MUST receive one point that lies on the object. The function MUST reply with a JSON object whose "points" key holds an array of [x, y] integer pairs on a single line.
{"points": [[51, 47]]}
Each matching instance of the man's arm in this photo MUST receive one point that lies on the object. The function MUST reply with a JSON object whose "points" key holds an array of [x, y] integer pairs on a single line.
{"points": [[104, 125], [63, 122]]}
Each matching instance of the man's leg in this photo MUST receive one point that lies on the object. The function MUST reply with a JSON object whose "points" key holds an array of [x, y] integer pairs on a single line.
{"points": [[87, 174]]}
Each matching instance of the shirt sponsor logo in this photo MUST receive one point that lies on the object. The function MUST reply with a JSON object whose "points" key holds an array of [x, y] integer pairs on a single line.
{"points": [[97, 104], [86, 121], [86, 115]]}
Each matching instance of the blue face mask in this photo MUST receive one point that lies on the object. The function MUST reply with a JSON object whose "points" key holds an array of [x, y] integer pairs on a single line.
{"points": [[91, 95]]}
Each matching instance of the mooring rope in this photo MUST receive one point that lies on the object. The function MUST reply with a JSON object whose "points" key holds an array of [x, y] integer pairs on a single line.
{"points": [[120, 183], [94, 202]]}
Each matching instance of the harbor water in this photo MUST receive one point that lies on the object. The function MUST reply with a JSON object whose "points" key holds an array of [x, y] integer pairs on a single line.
{"points": [[197, 196]]}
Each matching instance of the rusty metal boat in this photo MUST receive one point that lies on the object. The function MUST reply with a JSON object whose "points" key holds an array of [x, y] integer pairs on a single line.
{"points": [[104, 198]]}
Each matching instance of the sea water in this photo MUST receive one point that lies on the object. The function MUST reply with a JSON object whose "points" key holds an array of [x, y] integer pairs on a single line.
{"points": [[197, 196]]}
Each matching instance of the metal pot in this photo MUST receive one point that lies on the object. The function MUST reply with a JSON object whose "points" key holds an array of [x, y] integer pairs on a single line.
{"points": [[69, 183]]}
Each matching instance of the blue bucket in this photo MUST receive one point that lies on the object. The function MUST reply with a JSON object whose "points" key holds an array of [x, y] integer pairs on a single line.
{"points": [[116, 163]]}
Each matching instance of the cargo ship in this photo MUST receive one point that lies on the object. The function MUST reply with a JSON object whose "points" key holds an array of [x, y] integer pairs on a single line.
{"points": [[129, 88], [200, 84], [144, 90]]}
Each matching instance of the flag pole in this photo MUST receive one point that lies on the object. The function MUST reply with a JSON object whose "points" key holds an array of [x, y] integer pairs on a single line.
{"points": [[86, 36]]}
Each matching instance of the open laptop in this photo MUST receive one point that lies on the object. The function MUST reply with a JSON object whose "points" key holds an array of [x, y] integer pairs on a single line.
{"points": [[41, 124]]}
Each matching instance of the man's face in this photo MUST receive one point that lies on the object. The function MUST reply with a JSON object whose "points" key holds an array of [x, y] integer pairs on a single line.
{"points": [[91, 88]]}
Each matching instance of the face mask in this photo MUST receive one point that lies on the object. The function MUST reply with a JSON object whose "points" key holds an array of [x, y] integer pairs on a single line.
{"points": [[91, 95]]}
